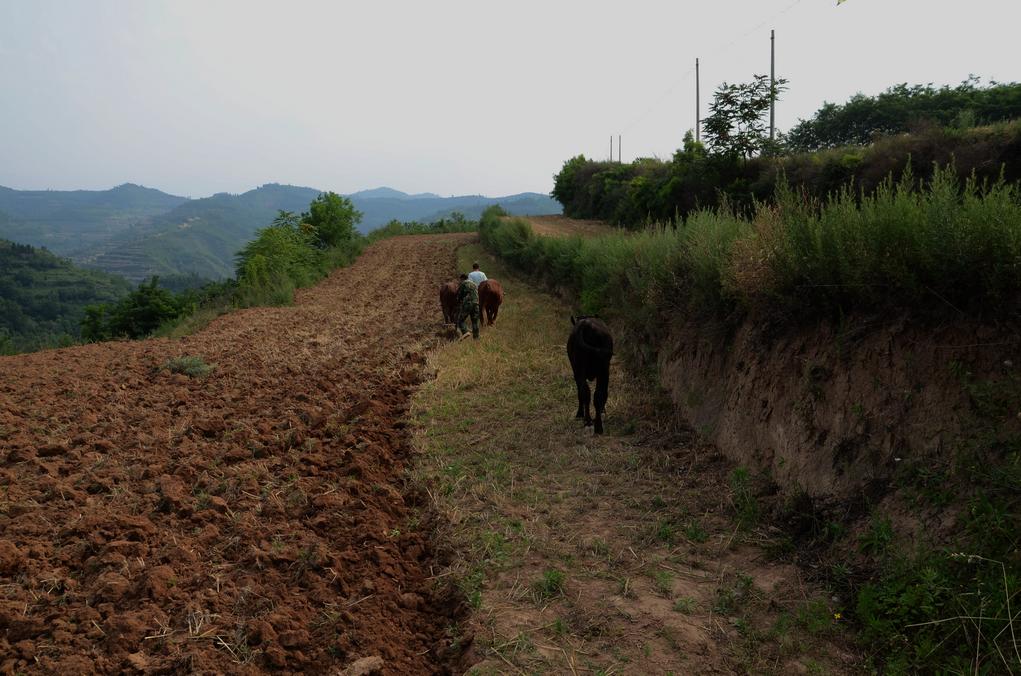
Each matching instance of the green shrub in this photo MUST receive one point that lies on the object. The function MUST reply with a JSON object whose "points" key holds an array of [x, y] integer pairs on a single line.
{"points": [[912, 245], [137, 315], [648, 190], [192, 366], [937, 246], [456, 222]]}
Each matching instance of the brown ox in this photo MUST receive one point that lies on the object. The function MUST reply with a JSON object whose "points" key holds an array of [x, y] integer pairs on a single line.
{"points": [[448, 302], [490, 299]]}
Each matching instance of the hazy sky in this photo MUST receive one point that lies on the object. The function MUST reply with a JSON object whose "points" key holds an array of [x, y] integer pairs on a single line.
{"points": [[453, 97]]}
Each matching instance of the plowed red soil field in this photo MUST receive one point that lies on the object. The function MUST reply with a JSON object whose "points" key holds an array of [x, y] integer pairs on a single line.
{"points": [[250, 520]]}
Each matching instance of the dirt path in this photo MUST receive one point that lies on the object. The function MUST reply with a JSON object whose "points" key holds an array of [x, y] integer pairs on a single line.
{"points": [[562, 226], [248, 520], [639, 552]]}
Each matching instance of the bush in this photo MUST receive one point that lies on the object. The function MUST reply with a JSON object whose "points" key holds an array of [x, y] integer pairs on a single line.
{"points": [[929, 246], [908, 245], [192, 366], [632, 195], [136, 316], [456, 222]]}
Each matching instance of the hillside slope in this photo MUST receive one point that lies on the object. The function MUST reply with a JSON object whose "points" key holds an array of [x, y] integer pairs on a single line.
{"points": [[68, 221], [43, 297], [137, 232], [199, 237], [202, 236]]}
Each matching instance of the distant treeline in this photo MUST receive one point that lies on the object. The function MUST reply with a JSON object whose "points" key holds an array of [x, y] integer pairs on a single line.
{"points": [[43, 297], [906, 108], [653, 190]]}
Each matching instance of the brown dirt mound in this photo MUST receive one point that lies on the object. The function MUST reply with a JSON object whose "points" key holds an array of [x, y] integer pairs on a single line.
{"points": [[249, 520]]}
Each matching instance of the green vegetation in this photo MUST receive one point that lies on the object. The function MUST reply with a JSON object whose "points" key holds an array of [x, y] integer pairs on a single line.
{"points": [[942, 247], [292, 252], [199, 237], [736, 125], [139, 233], [861, 143], [903, 108], [950, 603], [332, 219], [137, 315], [192, 366], [930, 246], [43, 297], [550, 585], [455, 222]]}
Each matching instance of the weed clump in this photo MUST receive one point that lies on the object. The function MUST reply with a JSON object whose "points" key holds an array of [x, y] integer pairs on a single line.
{"points": [[192, 366], [550, 585]]}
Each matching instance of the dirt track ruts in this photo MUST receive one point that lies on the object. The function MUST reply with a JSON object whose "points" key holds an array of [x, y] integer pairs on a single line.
{"points": [[250, 520]]}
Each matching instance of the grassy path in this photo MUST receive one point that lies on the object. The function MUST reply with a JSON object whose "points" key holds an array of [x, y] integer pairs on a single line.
{"points": [[636, 552]]}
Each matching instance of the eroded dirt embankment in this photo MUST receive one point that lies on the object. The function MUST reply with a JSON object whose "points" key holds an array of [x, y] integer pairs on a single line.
{"points": [[249, 520], [832, 411]]}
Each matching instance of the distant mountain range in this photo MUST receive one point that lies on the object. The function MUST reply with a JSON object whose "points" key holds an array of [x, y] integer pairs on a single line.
{"points": [[138, 232]]}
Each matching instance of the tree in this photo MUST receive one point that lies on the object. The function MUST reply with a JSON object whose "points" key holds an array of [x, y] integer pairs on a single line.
{"points": [[904, 108], [564, 183], [736, 124], [332, 219]]}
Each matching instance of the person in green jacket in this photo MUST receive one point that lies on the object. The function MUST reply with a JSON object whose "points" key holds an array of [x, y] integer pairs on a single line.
{"points": [[468, 302]]}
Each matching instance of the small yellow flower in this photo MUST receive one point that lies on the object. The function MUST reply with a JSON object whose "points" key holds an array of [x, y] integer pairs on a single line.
{"points": [[837, 616]]}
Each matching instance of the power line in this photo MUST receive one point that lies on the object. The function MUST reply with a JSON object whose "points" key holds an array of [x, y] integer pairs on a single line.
{"points": [[686, 74]]}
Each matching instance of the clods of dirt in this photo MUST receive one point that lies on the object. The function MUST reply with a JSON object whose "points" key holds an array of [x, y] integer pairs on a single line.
{"points": [[250, 520]]}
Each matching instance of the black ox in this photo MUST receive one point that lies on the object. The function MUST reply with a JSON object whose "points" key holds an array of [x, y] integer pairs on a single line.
{"points": [[590, 348]]}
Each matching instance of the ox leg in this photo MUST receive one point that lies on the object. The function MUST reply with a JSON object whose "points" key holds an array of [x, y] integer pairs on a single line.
{"points": [[602, 387], [584, 400]]}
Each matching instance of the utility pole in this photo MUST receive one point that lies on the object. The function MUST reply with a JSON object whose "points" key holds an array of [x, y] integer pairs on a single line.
{"points": [[772, 85], [619, 156], [698, 108], [611, 147]]}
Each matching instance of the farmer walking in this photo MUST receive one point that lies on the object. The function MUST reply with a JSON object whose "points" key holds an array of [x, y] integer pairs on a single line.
{"points": [[476, 275], [468, 304]]}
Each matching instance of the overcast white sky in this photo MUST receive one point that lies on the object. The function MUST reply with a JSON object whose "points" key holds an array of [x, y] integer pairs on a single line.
{"points": [[448, 96]]}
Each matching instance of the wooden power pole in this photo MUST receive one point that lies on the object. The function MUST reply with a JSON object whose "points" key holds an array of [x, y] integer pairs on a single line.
{"points": [[772, 85], [698, 107]]}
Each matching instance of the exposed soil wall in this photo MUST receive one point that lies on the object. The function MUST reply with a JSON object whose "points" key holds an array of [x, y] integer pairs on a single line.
{"points": [[831, 410]]}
